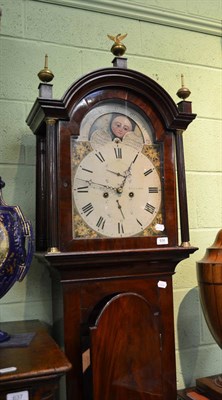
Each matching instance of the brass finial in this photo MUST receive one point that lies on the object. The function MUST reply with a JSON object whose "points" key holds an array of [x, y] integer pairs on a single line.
{"points": [[183, 92], [46, 75], [118, 49]]}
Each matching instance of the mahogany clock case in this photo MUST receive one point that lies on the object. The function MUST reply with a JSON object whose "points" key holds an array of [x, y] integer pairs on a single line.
{"points": [[116, 287]]}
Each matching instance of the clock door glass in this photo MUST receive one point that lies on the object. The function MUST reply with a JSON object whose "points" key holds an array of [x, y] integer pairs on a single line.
{"points": [[116, 183]]}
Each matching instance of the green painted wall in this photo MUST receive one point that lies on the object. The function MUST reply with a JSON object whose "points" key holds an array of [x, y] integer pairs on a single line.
{"points": [[165, 39]]}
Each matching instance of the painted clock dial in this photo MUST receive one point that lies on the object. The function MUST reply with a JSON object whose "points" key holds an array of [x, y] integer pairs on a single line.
{"points": [[116, 183]]}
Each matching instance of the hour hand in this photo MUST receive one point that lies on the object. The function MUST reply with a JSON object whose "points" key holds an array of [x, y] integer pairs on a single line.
{"points": [[90, 182], [116, 173]]}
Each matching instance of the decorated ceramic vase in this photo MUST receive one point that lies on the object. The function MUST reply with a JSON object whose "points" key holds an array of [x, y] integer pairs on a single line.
{"points": [[16, 245]]}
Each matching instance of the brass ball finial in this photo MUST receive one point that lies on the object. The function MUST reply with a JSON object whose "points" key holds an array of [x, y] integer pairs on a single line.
{"points": [[183, 92], [46, 75], [118, 48]]}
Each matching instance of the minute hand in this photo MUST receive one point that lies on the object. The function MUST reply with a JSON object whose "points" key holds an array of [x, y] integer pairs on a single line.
{"points": [[127, 173]]}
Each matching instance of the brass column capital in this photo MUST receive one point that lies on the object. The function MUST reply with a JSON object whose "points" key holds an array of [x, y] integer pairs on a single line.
{"points": [[50, 121]]}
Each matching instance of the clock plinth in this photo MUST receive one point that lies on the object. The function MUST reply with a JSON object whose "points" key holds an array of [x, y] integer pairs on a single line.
{"points": [[45, 90], [185, 106], [106, 200], [120, 62]]}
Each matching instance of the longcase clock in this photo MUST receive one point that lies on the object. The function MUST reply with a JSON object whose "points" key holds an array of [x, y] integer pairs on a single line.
{"points": [[106, 212]]}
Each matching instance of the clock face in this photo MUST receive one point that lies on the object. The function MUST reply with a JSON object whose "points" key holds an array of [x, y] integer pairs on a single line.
{"points": [[116, 183], [117, 190]]}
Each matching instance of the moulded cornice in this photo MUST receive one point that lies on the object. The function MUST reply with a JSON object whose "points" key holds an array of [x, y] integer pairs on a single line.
{"points": [[146, 13]]}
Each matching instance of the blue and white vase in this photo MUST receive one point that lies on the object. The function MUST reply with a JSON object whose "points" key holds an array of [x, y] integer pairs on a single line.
{"points": [[16, 246]]}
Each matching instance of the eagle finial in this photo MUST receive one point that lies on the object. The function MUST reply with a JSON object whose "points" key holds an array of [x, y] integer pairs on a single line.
{"points": [[118, 48]]}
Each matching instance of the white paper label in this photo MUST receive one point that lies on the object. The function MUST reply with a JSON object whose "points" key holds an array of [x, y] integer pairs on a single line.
{"points": [[162, 284], [162, 240], [24, 395], [7, 370], [159, 227]]}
